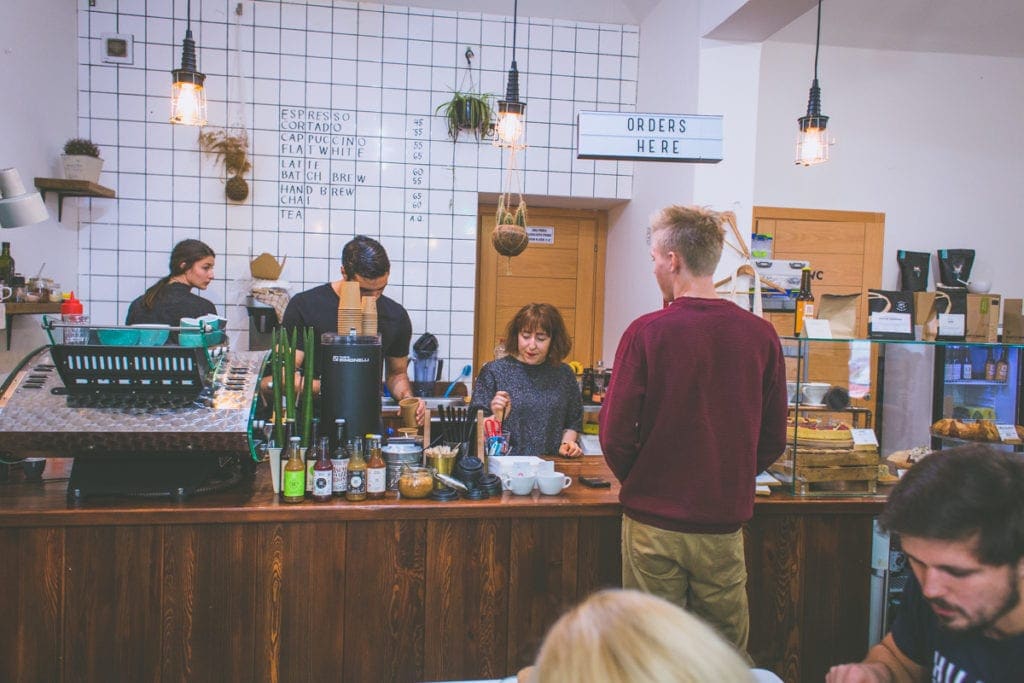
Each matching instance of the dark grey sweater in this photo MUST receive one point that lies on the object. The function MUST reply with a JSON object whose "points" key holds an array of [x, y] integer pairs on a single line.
{"points": [[545, 402]]}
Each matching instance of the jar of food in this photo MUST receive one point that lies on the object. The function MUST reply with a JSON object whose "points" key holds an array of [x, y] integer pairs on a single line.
{"points": [[415, 482]]}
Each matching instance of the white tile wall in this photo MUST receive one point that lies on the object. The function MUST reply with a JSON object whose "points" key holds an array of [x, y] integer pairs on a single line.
{"points": [[384, 69]]}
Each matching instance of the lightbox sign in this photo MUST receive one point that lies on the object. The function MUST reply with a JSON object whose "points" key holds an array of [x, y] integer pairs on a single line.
{"points": [[652, 137]]}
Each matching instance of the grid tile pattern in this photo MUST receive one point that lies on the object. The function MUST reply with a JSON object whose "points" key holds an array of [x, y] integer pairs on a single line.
{"points": [[339, 101]]}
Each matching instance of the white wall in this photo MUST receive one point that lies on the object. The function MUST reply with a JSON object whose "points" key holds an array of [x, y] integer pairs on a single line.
{"points": [[933, 141], [38, 77], [666, 82]]}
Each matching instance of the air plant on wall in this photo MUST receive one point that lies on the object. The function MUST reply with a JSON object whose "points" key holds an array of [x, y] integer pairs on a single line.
{"points": [[232, 150]]}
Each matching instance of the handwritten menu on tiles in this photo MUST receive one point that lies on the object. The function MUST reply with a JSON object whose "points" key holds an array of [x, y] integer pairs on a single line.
{"points": [[320, 153]]}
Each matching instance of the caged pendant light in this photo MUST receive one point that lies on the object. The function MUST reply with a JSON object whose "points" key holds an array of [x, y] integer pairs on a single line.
{"points": [[188, 98], [812, 141], [511, 125]]}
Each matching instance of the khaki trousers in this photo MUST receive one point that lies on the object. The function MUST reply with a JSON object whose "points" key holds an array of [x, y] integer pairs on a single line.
{"points": [[703, 573]]}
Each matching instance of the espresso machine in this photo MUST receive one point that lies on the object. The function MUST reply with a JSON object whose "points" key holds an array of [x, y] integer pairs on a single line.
{"points": [[153, 421]]}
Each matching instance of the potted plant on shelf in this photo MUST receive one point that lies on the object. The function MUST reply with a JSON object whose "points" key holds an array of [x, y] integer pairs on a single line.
{"points": [[82, 160], [232, 150]]}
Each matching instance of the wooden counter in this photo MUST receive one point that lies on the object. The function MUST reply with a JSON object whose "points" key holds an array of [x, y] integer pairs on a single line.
{"points": [[237, 586]]}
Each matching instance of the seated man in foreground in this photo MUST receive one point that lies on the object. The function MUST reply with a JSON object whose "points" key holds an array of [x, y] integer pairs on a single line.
{"points": [[959, 515]]}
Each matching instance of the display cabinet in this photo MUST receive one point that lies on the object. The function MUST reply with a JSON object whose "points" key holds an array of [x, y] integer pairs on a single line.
{"points": [[853, 402]]}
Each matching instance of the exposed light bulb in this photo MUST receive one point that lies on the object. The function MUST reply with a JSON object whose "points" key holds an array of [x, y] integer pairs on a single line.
{"points": [[188, 104], [812, 147], [509, 129]]}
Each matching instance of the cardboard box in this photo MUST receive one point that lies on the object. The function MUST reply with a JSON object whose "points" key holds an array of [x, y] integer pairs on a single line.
{"points": [[783, 272], [1013, 321], [983, 317], [925, 315], [266, 267]]}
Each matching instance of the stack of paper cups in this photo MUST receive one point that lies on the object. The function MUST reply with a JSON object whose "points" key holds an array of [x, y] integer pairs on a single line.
{"points": [[369, 306], [350, 315]]}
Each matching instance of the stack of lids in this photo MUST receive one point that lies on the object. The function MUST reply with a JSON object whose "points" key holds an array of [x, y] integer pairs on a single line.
{"points": [[369, 310], [350, 314]]}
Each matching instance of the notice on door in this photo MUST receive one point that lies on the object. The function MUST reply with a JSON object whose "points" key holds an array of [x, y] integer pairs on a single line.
{"points": [[541, 234]]}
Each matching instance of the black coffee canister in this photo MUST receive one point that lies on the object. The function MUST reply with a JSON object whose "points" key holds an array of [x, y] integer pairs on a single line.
{"points": [[350, 374]]}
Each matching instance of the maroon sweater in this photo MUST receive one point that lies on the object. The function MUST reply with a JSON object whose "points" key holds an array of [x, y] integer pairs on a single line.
{"points": [[696, 408]]}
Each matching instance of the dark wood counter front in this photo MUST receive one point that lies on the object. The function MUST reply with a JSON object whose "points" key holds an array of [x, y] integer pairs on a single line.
{"points": [[237, 586]]}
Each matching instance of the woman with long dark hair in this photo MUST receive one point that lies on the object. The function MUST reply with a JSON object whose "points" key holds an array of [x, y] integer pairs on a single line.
{"points": [[171, 298]]}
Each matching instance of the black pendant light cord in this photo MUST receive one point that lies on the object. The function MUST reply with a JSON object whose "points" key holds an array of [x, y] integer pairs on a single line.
{"points": [[515, 25], [188, 19], [817, 42]]}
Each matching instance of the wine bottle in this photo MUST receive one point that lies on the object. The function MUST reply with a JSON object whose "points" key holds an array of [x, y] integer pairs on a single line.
{"points": [[804, 302], [957, 367], [6, 263], [967, 369]]}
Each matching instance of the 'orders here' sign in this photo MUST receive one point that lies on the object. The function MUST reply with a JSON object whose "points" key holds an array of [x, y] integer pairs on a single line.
{"points": [[654, 137]]}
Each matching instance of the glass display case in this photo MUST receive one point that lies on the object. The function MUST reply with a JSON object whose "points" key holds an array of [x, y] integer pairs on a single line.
{"points": [[856, 402]]}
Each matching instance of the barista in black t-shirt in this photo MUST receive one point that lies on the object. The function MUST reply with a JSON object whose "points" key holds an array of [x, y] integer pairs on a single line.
{"points": [[365, 261], [960, 519]]}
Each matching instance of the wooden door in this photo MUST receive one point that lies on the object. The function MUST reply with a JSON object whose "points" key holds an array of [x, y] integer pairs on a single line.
{"points": [[845, 252], [568, 273]]}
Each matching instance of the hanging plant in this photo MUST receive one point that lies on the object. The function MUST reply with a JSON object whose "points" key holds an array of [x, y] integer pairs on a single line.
{"points": [[232, 150], [509, 236], [468, 109]]}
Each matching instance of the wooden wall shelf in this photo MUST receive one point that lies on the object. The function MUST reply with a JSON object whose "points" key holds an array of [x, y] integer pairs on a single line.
{"points": [[71, 188]]}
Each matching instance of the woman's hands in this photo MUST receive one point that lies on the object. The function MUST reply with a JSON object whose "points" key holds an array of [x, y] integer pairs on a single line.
{"points": [[570, 449], [501, 405]]}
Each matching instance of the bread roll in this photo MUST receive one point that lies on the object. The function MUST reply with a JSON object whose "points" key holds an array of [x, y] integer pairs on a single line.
{"points": [[989, 430]]}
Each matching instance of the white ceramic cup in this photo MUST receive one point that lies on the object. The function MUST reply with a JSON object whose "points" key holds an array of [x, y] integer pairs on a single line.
{"points": [[553, 483], [814, 392], [521, 486]]}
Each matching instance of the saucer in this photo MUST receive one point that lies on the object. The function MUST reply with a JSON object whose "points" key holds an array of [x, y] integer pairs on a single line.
{"points": [[812, 405]]}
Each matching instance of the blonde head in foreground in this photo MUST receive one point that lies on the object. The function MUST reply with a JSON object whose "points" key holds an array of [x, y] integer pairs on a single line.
{"points": [[625, 636]]}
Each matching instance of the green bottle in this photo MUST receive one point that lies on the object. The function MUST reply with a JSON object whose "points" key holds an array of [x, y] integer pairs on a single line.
{"points": [[6, 264]]}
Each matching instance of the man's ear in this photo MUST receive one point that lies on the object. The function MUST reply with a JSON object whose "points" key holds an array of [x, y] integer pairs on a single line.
{"points": [[675, 263], [343, 277]]}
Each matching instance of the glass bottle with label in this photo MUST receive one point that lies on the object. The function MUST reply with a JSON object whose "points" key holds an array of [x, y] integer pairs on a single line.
{"points": [[312, 455], [355, 488], [957, 367], [1002, 367], [990, 366], [376, 468], [967, 369], [294, 484], [339, 458], [323, 473], [804, 302], [6, 263]]}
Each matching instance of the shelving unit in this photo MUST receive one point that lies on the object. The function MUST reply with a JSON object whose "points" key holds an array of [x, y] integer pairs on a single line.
{"points": [[71, 188]]}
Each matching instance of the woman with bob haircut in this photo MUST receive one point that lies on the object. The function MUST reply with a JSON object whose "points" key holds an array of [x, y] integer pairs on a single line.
{"points": [[625, 636], [531, 390]]}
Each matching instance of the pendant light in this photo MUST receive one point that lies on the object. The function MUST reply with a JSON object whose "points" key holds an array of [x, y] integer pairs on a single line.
{"points": [[511, 125], [812, 141], [188, 98]]}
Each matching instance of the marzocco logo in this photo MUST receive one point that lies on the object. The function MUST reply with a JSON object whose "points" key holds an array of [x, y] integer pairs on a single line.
{"points": [[349, 359]]}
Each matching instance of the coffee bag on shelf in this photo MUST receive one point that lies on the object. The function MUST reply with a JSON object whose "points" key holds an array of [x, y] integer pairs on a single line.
{"points": [[890, 314], [913, 270]]}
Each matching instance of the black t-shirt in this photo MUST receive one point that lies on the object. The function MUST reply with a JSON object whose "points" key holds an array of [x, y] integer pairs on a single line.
{"points": [[318, 308], [951, 655], [174, 302]]}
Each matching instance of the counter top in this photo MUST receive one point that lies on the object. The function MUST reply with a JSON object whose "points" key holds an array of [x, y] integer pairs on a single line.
{"points": [[24, 504]]}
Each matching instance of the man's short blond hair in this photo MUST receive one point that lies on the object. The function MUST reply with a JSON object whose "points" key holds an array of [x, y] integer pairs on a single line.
{"points": [[694, 233]]}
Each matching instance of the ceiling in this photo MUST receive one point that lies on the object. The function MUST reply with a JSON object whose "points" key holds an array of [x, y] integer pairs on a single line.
{"points": [[981, 27]]}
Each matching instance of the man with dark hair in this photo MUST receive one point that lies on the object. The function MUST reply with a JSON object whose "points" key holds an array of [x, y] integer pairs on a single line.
{"points": [[365, 261], [695, 410], [959, 515]]}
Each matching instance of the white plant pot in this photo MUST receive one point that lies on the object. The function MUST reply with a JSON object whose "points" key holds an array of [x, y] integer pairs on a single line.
{"points": [[80, 167]]}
